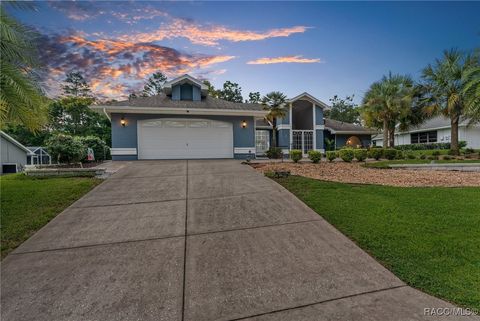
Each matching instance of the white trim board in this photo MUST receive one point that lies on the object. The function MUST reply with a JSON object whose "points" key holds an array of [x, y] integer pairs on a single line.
{"points": [[123, 151], [179, 111], [244, 150], [283, 126]]}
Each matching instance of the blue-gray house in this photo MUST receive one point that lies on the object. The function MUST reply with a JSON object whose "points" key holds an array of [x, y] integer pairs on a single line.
{"points": [[305, 128], [184, 122]]}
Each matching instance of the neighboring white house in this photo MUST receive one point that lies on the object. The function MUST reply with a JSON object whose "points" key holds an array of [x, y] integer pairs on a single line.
{"points": [[435, 130], [13, 154]]}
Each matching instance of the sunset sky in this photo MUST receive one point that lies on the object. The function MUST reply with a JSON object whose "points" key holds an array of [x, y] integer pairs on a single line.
{"points": [[324, 48]]}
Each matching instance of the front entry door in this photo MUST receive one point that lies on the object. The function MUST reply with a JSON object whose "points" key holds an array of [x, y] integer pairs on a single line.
{"points": [[262, 141], [302, 140]]}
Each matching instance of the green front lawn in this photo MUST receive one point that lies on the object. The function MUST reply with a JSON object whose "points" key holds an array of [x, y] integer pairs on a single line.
{"points": [[429, 237], [28, 203], [385, 163]]}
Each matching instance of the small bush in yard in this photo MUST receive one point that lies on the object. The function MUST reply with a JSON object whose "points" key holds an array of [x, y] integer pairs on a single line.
{"points": [[360, 154], [315, 156], [423, 156], [399, 155], [432, 157], [410, 156], [346, 154], [390, 153], [436, 153], [295, 155], [446, 157], [65, 148], [375, 153], [274, 152], [100, 149], [331, 155]]}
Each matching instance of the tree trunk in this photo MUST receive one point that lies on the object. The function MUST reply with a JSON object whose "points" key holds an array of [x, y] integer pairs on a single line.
{"points": [[391, 137], [454, 134], [274, 136], [385, 133], [274, 132]]}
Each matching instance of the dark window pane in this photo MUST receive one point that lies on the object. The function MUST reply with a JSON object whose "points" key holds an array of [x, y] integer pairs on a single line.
{"points": [[414, 138]]}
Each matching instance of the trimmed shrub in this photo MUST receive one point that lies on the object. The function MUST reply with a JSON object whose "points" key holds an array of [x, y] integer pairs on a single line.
{"points": [[452, 152], [429, 146], [274, 152], [446, 157], [331, 155], [432, 157], [296, 155], [410, 156], [423, 156], [360, 154], [65, 148], [100, 149], [375, 153], [315, 156], [390, 153], [399, 155], [436, 153], [346, 154]]}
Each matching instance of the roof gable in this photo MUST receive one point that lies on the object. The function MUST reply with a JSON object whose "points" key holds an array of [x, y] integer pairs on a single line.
{"points": [[185, 79], [312, 99], [15, 142]]}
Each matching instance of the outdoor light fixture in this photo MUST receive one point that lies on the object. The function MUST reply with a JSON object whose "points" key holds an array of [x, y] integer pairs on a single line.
{"points": [[123, 122], [244, 124]]}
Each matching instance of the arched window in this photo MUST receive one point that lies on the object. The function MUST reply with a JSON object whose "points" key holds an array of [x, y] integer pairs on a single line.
{"points": [[353, 141]]}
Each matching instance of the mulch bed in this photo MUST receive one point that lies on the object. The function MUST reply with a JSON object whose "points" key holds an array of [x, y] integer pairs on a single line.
{"points": [[355, 173]]}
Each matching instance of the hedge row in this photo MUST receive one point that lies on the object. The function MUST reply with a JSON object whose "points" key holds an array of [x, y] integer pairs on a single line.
{"points": [[429, 146]]}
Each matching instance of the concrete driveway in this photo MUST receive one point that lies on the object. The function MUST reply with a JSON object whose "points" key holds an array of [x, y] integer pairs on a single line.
{"points": [[198, 240]]}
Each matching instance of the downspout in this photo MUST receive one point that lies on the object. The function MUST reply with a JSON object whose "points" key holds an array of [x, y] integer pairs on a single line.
{"points": [[106, 114]]}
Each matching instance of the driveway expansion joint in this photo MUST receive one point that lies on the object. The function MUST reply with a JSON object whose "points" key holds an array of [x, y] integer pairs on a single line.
{"points": [[255, 227], [185, 247], [131, 203], [320, 302], [98, 245]]}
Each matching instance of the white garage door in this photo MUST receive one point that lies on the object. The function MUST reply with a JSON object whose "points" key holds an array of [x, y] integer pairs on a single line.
{"points": [[184, 138]]}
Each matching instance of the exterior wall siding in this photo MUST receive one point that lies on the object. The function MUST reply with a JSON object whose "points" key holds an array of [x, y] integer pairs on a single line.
{"points": [[319, 115], [283, 140], [11, 154], [126, 137], [197, 93], [176, 93], [319, 139]]}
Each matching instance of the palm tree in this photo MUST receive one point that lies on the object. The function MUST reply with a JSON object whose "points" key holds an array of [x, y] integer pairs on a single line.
{"points": [[274, 103], [387, 102], [21, 100], [471, 90], [448, 91]]}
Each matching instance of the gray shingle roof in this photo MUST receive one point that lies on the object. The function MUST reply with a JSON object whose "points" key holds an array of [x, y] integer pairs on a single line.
{"points": [[339, 126], [207, 102]]}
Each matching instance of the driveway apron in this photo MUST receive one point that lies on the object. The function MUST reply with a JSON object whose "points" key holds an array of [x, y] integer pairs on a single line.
{"points": [[198, 240]]}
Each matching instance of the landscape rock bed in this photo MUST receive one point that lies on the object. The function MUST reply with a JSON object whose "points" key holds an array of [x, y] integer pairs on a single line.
{"points": [[355, 173]]}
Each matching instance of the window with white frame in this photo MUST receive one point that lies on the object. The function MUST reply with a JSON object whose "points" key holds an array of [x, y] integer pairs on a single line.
{"points": [[423, 137]]}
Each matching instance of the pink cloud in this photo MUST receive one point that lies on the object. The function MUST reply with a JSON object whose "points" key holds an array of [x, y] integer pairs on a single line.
{"points": [[284, 59]]}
